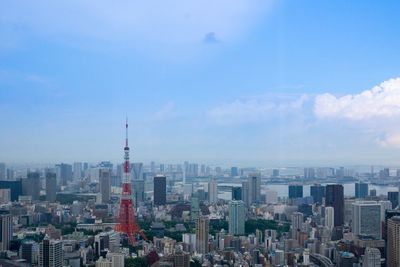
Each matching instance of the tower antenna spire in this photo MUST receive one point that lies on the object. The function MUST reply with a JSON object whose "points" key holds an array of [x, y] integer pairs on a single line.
{"points": [[126, 132], [126, 218]]}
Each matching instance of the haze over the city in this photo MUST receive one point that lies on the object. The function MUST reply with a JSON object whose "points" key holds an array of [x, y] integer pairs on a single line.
{"points": [[260, 83]]}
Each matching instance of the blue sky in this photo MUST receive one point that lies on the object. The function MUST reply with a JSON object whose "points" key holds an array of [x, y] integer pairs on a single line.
{"points": [[261, 83]]}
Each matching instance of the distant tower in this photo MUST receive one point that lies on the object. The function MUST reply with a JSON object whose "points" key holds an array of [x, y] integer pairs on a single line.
{"points": [[105, 185], [126, 220], [51, 187], [212, 191]]}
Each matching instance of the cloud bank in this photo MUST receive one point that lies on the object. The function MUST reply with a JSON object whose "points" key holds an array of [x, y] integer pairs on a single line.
{"points": [[382, 101]]}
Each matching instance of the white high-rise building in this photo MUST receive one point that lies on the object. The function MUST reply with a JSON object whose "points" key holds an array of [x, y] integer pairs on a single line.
{"points": [[329, 217], [371, 257], [237, 213], [306, 257], [189, 239], [297, 223], [367, 219], [212, 191]]}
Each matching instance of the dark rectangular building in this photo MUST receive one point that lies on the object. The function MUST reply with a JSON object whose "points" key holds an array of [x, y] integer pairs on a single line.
{"points": [[335, 198], [236, 193], [14, 186], [160, 190], [394, 198], [295, 191], [51, 187], [31, 185], [361, 190], [317, 192]]}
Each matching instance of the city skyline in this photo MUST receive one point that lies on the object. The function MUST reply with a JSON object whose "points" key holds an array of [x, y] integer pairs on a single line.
{"points": [[258, 84]]}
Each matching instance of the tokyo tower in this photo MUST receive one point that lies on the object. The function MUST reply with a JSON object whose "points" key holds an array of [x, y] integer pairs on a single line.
{"points": [[126, 218]]}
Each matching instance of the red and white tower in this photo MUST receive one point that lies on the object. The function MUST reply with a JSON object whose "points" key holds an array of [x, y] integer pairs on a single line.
{"points": [[126, 219]]}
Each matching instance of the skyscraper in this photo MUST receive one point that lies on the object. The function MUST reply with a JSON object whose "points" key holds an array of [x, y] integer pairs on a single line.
{"points": [[160, 190], [212, 191], [64, 173], [361, 190], [6, 230], [105, 185], [138, 191], [77, 170], [367, 219], [329, 217], [334, 197], [246, 193], [194, 207], [237, 215], [297, 222], [31, 185], [254, 187], [202, 232], [317, 191], [393, 243], [295, 191], [51, 253], [137, 171], [51, 187], [234, 171]]}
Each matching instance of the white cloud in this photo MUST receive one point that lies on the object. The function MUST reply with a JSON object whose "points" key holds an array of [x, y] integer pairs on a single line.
{"points": [[255, 109], [382, 101], [166, 22]]}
